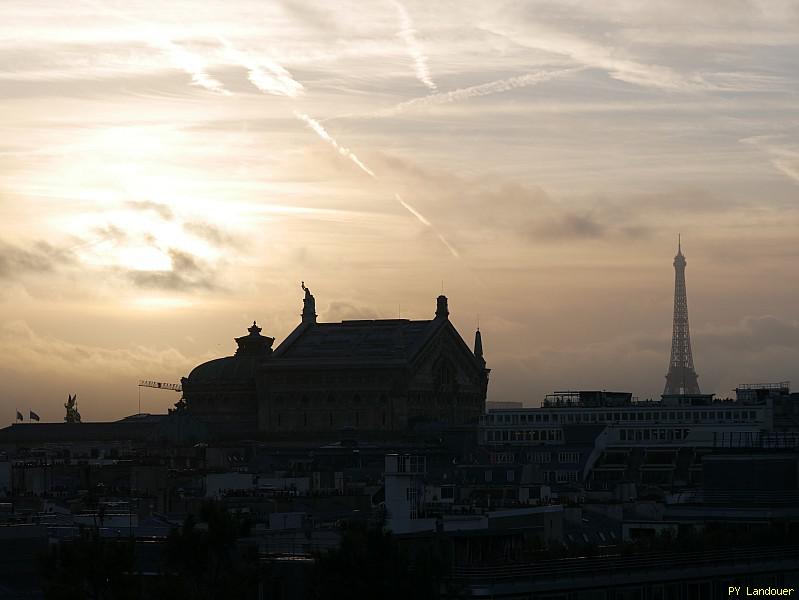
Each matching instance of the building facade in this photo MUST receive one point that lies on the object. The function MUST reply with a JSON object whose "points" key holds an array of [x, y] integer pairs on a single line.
{"points": [[370, 375]]}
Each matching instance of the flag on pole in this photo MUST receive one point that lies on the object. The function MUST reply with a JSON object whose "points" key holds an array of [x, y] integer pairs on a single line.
{"points": [[20, 417], [34, 416]]}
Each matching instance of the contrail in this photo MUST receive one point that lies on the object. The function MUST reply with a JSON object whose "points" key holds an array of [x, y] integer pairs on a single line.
{"points": [[265, 74], [190, 63], [484, 89], [316, 126], [784, 158], [413, 211], [427, 223], [408, 35]]}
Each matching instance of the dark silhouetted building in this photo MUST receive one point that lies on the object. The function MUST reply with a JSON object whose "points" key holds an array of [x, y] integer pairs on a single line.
{"points": [[369, 375]]}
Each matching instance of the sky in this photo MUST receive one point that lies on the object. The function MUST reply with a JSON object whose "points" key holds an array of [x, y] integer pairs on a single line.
{"points": [[170, 172]]}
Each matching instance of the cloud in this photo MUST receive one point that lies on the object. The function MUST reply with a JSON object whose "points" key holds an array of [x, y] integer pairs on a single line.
{"points": [[408, 35], [162, 210], [753, 334], [194, 65], [189, 62], [40, 257], [475, 91], [571, 226], [536, 36], [51, 367], [187, 274], [107, 232], [305, 12], [784, 155], [265, 74], [340, 311], [487, 209], [213, 234]]}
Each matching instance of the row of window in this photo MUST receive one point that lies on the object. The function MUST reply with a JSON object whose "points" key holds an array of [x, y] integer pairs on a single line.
{"points": [[537, 458], [332, 419], [411, 464], [530, 435], [612, 417], [356, 399], [644, 435], [559, 476], [328, 378]]}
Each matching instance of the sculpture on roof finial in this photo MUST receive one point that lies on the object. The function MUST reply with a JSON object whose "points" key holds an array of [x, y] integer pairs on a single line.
{"points": [[72, 416], [308, 305]]}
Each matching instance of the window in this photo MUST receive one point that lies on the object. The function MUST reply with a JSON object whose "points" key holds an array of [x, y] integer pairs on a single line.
{"points": [[510, 475], [412, 496], [565, 476], [489, 476], [571, 457], [540, 458]]}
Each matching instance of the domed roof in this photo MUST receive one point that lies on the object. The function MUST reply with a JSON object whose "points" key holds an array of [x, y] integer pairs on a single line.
{"points": [[230, 369], [237, 369]]}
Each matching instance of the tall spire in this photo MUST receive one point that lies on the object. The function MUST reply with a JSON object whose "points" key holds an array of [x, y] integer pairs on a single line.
{"points": [[681, 378], [478, 346]]}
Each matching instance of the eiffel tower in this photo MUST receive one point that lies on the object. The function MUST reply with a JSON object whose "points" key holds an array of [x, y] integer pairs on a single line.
{"points": [[681, 378]]}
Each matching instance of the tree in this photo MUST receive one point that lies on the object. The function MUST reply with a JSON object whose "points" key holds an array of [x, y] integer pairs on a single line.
{"points": [[206, 562], [370, 564], [91, 567]]}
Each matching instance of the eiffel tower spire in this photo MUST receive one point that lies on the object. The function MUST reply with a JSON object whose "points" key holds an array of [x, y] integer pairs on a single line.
{"points": [[681, 378]]}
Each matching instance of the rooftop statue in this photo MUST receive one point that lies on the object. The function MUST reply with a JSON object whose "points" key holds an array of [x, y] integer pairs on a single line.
{"points": [[308, 305], [72, 416]]}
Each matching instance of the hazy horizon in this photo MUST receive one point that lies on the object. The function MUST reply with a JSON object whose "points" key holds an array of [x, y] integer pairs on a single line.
{"points": [[171, 172]]}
